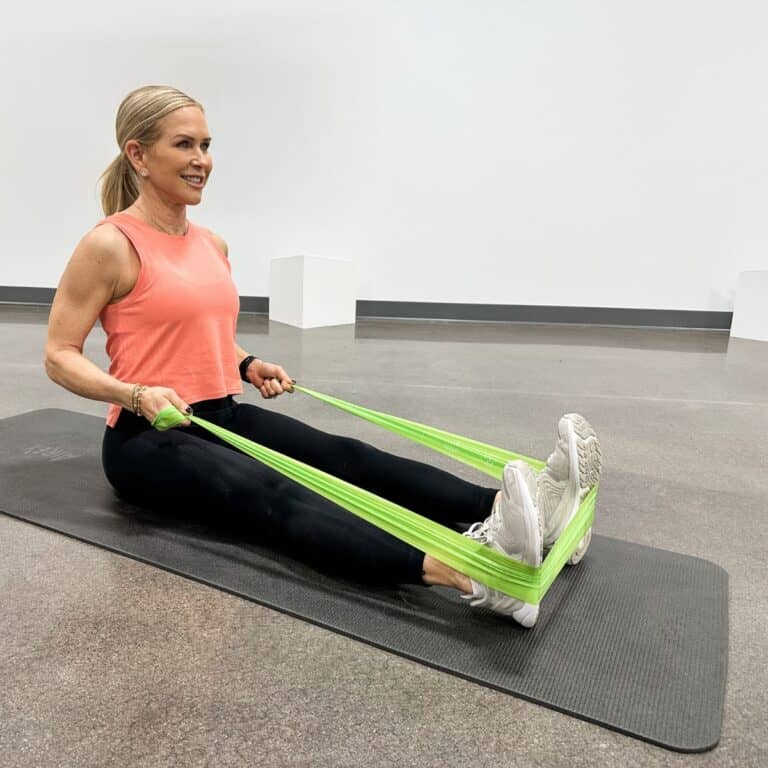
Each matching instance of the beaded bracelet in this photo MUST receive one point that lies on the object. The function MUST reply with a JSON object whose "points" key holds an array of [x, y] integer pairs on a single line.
{"points": [[138, 391]]}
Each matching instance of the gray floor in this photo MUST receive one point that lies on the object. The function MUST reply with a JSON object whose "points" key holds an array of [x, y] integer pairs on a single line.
{"points": [[106, 661]]}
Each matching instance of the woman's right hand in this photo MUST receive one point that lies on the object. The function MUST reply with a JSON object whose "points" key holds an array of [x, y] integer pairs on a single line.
{"points": [[156, 399]]}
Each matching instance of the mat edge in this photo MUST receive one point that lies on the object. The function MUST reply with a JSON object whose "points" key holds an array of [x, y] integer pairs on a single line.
{"points": [[331, 628]]}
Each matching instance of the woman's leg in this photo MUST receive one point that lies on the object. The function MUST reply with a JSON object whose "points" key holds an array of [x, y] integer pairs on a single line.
{"points": [[186, 473], [424, 489], [435, 573]]}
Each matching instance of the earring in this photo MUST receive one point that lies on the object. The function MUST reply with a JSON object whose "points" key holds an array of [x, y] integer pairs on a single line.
{"points": [[145, 173]]}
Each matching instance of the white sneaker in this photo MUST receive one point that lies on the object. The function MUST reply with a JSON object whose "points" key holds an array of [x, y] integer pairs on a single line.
{"points": [[514, 527], [572, 469]]}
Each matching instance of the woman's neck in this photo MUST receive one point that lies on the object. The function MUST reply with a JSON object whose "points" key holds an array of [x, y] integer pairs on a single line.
{"points": [[170, 221]]}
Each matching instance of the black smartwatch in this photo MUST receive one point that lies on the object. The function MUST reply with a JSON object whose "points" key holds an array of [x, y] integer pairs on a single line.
{"points": [[244, 363]]}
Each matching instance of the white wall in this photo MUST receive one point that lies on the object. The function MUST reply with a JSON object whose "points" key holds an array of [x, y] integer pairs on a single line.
{"points": [[587, 153]]}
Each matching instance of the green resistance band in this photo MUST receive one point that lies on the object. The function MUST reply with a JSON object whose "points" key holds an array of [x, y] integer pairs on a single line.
{"points": [[487, 458], [465, 555]]}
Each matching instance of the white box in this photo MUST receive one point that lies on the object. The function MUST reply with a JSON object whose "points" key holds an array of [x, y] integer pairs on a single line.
{"points": [[312, 291], [750, 306]]}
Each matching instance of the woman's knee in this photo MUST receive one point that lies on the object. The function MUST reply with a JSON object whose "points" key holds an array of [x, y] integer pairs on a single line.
{"points": [[356, 456]]}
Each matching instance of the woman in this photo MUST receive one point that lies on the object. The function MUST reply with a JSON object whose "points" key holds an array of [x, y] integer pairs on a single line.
{"points": [[162, 288]]}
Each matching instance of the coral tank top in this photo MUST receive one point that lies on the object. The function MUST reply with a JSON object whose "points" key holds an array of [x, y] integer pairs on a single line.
{"points": [[176, 328]]}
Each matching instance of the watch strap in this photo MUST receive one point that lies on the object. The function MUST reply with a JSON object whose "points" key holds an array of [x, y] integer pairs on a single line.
{"points": [[244, 363]]}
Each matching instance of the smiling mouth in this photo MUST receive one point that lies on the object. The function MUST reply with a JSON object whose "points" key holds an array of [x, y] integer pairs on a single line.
{"points": [[193, 180]]}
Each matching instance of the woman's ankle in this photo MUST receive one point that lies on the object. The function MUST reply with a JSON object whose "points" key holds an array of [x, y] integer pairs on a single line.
{"points": [[435, 573]]}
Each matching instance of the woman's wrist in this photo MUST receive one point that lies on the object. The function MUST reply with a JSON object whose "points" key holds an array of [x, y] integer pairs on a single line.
{"points": [[126, 398], [244, 363], [138, 392], [131, 396]]}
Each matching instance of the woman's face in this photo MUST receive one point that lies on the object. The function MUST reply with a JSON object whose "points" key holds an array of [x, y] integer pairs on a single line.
{"points": [[181, 151]]}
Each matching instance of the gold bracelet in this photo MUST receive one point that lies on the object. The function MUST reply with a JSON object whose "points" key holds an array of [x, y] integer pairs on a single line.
{"points": [[136, 398]]}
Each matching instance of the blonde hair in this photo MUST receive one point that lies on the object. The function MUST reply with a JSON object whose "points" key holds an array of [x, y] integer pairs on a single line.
{"points": [[137, 118]]}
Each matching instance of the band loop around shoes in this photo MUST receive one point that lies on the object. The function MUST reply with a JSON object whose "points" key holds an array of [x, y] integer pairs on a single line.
{"points": [[471, 557]]}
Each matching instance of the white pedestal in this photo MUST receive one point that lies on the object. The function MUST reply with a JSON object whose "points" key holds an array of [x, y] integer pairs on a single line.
{"points": [[311, 291], [750, 307]]}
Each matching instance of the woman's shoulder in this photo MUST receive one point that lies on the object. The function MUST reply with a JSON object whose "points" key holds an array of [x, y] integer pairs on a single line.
{"points": [[105, 238], [106, 249], [97, 263]]}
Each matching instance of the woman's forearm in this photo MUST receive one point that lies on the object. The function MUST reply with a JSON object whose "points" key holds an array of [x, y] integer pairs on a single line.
{"points": [[241, 353], [75, 372]]}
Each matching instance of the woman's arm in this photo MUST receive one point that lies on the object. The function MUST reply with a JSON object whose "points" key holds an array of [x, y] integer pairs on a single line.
{"points": [[241, 353], [86, 287], [270, 379]]}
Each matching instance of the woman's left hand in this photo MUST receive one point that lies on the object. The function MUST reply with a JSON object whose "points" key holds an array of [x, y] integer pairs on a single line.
{"points": [[270, 379]]}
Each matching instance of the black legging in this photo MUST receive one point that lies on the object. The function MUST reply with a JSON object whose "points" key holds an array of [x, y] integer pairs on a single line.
{"points": [[189, 471]]}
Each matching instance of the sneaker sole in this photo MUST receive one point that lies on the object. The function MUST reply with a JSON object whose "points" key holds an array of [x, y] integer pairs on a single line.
{"points": [[590, 464], [588, 451], [528, 614], [585, 463]]}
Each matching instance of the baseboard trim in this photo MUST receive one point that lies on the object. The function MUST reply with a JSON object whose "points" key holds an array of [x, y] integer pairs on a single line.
{"points": [[255, 305], [12, 294], [498, 313], [522, 313]]}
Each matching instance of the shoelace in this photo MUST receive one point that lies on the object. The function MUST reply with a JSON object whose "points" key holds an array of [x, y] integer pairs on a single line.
{"points": [[485, 529]]}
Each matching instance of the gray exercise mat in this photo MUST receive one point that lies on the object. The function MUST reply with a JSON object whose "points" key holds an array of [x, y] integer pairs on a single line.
{"points": [[634, 638]]}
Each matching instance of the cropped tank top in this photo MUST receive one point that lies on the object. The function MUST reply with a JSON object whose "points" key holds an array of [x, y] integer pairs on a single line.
{"points": [[176, 328]]}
